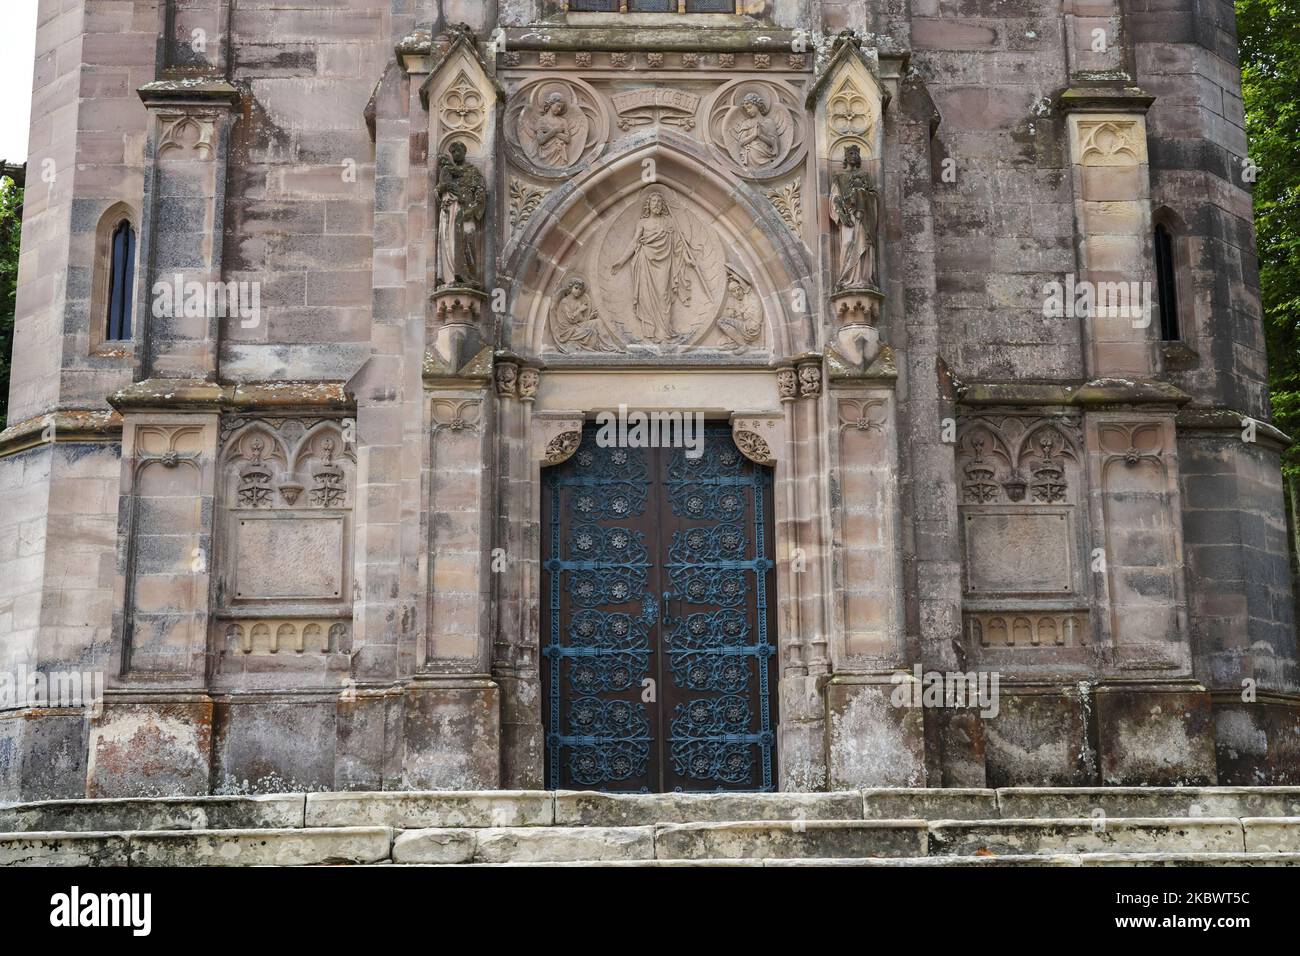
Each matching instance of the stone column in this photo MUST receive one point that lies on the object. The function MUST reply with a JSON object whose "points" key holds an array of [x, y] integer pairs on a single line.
{"points": [[452, 713], [157, 711], [156, 722], [1153, 719], [858, 624]]}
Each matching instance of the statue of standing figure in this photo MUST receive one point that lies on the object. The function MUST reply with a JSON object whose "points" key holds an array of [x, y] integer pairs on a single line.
{"points": [[462, 201], [854, 200]]}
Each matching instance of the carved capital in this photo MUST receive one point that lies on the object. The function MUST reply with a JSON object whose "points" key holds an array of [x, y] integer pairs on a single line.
{"points": [[507, 379], [529, 379], [787, 384], [810, 380]]}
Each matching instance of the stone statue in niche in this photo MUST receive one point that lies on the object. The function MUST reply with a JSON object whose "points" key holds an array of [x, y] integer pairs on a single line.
{"points": [[854, 201], [462, 201], [664, 267], [759, 135], [741, 321], [575, 322]]}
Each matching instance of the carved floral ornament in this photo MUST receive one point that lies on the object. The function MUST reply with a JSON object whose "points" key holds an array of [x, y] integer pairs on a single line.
{"points": [[657, 278], [168, 445], [867, 415], [271, 462], [450, 414], [1132, 443], [1018, 459]]}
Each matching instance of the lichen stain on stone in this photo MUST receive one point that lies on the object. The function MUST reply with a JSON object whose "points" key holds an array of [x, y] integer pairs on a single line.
{"points": [[868, 749]]}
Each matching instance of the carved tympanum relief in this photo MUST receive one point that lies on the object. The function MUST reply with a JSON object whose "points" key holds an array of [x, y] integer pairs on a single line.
{"points": [[756, 126], [554, 125], [657, 278]]}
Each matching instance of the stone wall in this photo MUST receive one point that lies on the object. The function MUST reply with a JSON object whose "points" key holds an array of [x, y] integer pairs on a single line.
{"points": [[300, 542]]}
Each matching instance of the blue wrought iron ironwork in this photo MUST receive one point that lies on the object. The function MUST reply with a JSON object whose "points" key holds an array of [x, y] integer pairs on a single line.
{"points": [[605, 620], [716, 739], [601, 651]]}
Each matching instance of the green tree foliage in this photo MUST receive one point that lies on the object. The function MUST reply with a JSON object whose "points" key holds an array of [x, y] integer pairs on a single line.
{"points": [[1269, 37], [11, 216]]}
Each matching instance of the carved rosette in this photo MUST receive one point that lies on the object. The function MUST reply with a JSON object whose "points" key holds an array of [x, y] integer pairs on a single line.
{"points": [[754, 447]]}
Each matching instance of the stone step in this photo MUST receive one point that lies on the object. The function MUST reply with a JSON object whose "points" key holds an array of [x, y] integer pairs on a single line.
{"points": [[1060, 859], [275, 811], [233, 847], [503, 808], [1028, 802], [1074, 841]]}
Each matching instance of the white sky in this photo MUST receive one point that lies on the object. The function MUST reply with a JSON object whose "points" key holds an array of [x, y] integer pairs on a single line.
{"points": [[17, 56]]}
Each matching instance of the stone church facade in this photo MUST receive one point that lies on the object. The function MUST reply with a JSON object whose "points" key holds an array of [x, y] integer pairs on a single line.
{"points": [[320, 305]]}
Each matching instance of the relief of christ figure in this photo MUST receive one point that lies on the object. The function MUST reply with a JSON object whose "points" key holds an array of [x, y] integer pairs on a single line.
{"points": [[663, 264]]}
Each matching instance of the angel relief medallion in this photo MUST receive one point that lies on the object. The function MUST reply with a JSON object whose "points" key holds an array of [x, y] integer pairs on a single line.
{"points": [[660, 281], [554, 125], [754, 125]]}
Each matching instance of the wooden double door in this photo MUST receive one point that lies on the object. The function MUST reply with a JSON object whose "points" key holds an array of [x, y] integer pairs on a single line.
{"points": [[658, 632]]}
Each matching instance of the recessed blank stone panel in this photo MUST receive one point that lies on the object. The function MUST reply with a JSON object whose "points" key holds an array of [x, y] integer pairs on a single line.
{"points": [[288, 558], [1018, 553]]}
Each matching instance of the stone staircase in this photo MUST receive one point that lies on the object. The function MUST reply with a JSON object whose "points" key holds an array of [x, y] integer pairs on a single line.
{"points": [[958, 827]]}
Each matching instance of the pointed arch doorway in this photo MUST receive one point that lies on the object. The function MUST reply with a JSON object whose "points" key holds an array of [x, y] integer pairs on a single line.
{"points": [[658, 632]]}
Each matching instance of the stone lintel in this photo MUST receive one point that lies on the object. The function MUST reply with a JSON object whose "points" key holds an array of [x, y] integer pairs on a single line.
{"points": [[193, 93], [199, 395], [1103, 99], [69, 424], [1096, 393], [642, 39]]}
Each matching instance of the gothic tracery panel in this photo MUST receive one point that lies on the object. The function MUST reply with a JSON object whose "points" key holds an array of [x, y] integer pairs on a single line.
{"points": [[1021, 497], [285, 498]]}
